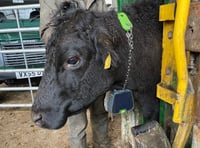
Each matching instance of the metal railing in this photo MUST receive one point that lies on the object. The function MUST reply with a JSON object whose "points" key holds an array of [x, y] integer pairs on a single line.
{"points": [[19, 29]]}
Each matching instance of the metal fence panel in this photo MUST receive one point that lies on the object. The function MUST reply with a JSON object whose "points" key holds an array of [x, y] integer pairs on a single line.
{"points": [[22, 54]]}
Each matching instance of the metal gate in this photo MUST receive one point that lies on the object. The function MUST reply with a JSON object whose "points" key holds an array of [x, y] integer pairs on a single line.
{"points": [[22, 54]]}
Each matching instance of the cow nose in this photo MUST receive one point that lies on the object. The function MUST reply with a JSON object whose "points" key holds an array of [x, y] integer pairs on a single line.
{"points": [[37, 118]]}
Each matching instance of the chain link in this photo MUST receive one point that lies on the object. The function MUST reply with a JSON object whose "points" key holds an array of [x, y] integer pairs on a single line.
{"points": [[129, 35]]}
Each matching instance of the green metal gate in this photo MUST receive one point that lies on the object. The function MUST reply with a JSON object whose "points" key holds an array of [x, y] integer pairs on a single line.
{"points": [[122, 3]]}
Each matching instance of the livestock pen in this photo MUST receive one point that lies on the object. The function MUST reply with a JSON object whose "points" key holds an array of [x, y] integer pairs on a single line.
{"points": [[22, 57]]}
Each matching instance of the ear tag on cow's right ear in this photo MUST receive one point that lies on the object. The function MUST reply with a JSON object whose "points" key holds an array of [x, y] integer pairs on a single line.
{"points": [[107, 63]]}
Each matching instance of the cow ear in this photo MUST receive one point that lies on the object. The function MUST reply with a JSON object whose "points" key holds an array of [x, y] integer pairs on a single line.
{"points": [[105, 51]]}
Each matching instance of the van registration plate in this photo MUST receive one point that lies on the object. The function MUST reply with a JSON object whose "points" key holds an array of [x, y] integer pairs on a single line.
{"points": [[30, 74]]}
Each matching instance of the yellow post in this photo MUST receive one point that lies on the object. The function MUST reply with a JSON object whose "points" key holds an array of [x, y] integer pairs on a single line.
{"points": [[175, 87], [182, 11], [184, 106]]}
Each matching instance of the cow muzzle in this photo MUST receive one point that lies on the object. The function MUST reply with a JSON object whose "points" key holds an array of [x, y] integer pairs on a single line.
{"points": [[49, 118]]}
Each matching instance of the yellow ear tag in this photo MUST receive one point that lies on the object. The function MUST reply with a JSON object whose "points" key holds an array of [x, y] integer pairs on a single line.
{"points": [[108, 60]]}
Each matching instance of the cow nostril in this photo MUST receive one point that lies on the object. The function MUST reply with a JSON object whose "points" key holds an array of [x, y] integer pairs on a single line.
{"points": [[36, 117]]}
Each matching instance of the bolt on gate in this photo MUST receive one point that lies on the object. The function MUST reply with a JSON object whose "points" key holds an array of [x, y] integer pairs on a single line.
{"points": [[22, 54]]}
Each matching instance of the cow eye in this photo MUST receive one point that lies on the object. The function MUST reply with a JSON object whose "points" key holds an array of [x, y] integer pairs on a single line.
{"points": [[72, 61]]}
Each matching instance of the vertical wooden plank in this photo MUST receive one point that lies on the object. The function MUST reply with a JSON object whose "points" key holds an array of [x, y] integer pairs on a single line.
{"points": [[196, 127]]}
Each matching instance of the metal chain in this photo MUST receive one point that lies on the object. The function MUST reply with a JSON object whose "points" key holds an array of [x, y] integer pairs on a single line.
{"points": [[126, 117], [129, 35]]}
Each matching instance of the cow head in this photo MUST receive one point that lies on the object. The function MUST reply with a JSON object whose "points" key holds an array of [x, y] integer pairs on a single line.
{"points": [[74, 75]]}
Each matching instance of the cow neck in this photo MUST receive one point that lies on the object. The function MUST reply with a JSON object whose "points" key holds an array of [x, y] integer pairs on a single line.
{"points": [[127, 26]]}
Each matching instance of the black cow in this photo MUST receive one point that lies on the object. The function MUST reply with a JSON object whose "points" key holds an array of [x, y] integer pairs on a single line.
{"points": [[74, 74]]}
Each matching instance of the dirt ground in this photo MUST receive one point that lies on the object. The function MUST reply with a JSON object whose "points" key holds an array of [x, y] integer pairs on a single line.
{"points": [[18, 131]]}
